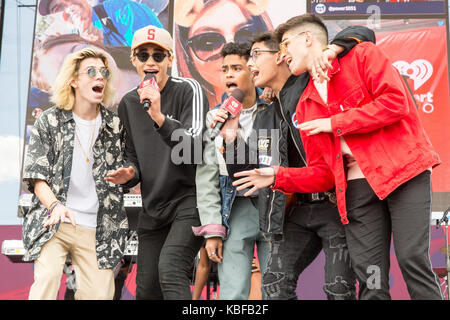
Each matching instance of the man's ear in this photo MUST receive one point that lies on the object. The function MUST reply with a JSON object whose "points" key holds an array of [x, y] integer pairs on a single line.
{"points": [[73, 83], [133, 60], [171, 57], [279, 58], [308, 38]]}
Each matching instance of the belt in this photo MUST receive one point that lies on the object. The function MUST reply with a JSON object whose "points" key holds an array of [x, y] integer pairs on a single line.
{"points": [[312, 197]]}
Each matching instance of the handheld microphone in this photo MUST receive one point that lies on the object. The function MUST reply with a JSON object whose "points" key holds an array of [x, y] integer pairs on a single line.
{"points": [[149, 80], [233, 105]]}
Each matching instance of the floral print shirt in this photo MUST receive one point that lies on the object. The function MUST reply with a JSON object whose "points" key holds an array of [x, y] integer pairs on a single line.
{"points": [[49, 158]]}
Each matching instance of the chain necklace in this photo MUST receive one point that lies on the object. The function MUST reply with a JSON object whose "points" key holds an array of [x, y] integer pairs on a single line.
{"points": [[92, 138]]}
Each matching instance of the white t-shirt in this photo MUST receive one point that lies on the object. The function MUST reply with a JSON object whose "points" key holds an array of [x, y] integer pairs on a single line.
{"points": [[82, 197], [246, 121]]}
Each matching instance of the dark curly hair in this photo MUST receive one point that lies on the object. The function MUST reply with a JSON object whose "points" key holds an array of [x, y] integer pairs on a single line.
{"points": [[240, 49]]}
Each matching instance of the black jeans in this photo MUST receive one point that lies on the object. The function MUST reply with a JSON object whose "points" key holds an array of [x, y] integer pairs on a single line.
{"points": [[404, 214], [309, 228], [166, 259]]}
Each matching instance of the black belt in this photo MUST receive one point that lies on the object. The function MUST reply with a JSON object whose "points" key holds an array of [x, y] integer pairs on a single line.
{"points": [[312, 197]]}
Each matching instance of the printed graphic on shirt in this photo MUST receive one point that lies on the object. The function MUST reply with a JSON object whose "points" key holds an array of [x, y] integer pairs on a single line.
{"points": [[265, 160], [264, 144], [294, 120]]}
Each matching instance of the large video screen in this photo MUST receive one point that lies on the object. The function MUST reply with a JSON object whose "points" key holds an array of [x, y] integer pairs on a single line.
{"points": [[201, 29], [383, 7], [418, 49]]}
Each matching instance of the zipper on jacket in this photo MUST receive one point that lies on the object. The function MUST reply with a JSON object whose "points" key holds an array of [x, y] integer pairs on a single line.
{"points": [[292, 134], [273, 192]]}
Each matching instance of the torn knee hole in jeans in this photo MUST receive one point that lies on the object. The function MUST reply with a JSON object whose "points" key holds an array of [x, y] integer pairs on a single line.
{"points": [[271, 277], [271, 282], [340, 288]]}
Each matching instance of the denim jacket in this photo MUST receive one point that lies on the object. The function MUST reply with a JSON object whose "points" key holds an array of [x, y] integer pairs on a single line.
{"points": [[228, 193], [215, 192]]}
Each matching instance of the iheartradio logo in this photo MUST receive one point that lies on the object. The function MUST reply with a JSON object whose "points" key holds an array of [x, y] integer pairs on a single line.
{"points": [[419, 71]]}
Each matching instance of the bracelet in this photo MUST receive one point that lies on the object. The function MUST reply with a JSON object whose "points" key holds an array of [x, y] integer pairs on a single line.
{"points": [[53, 206]]}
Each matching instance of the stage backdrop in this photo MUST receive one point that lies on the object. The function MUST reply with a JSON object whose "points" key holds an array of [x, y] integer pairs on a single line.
{"points": [[421, 55]]}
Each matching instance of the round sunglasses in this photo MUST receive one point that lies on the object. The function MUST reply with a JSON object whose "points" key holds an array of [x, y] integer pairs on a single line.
{"points": [[92, 72], [144, 55], [207, 46]]}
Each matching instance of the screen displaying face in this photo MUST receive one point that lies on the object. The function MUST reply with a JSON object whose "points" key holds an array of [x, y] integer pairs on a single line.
{"points": [[200, 33]]}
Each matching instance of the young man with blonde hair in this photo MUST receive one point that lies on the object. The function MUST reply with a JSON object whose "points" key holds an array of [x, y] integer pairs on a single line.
{"points": [[72, 146]]}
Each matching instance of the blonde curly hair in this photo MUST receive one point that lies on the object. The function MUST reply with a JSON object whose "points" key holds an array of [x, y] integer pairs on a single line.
{"points": [[63, 94]]}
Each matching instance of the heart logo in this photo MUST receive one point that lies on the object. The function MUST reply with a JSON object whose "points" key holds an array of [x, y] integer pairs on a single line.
{"points": [[419, 71]]}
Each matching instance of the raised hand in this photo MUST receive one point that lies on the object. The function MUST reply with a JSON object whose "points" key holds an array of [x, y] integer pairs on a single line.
{"points": [[316, 126], [254, 179]]}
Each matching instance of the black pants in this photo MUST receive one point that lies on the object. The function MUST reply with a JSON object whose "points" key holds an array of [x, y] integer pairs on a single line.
{"points": [[405, 214], [309, 228], [166, 259]]}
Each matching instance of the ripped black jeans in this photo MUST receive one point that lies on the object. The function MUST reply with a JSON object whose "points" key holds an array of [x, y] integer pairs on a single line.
{"points": [[309, 228]]}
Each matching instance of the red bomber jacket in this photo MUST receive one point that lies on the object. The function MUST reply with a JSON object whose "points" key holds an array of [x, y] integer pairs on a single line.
{"points": [[370, 106]]}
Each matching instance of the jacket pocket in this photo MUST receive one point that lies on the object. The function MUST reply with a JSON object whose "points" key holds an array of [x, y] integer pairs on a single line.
{"points": [[351, 100]]}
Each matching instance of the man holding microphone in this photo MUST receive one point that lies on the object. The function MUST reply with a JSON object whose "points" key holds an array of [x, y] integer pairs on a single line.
{"points": [[176, 113]]}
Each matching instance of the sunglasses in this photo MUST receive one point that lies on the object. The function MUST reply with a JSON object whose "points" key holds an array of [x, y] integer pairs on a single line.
{"points": [[285, 43], [92, 72], [208, 46], [144, 55], [254, 54]]}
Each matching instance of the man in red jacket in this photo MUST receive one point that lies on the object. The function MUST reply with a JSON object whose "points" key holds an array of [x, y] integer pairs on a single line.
{"points": [[362, 133]]}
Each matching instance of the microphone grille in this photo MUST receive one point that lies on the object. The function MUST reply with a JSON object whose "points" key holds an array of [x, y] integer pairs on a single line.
{"points": [[238, 94], [149, 76]]}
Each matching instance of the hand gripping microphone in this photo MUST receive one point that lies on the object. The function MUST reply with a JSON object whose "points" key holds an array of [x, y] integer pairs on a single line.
{"points": [[149, 80], [233, 105]]}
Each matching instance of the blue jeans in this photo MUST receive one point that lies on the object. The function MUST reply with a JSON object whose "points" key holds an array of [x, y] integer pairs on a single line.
{"points": [[235, 271], [309, 228], [166, 259]]}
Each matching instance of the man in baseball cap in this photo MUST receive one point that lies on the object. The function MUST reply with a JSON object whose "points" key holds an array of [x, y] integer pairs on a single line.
{"points": [[152, 34], [167, 245], [151, 52]]}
